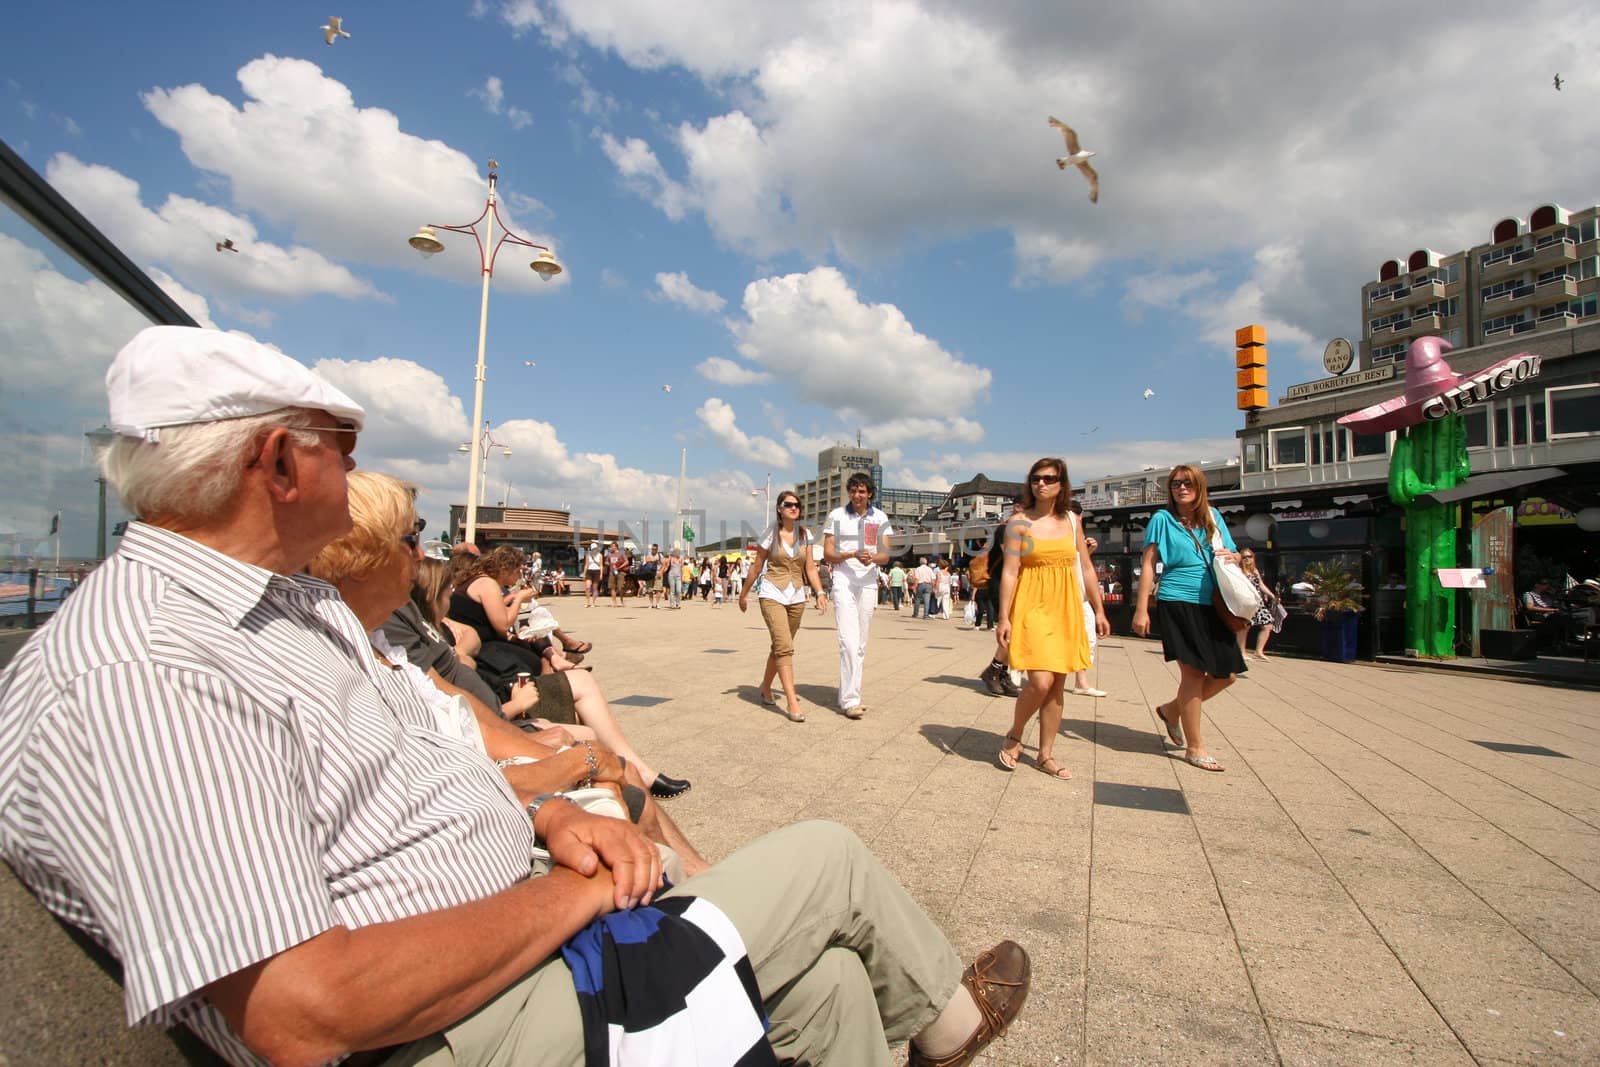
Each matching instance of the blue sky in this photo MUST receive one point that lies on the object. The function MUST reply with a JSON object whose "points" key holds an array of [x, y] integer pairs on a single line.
{"points": [[808, 219]]}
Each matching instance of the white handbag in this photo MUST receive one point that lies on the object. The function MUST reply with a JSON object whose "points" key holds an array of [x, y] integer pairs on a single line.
{"points": [[1238, 591]]}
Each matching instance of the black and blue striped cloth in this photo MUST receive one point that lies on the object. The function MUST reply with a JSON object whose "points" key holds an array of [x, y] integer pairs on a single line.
{"points": [[667, 984]]}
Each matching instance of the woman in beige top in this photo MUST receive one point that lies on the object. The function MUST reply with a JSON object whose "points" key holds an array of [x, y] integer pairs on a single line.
{"points": [[783, 560]]}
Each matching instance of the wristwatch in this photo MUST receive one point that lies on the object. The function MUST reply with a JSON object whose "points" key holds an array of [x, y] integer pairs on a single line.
{"points": [[539, 801]]}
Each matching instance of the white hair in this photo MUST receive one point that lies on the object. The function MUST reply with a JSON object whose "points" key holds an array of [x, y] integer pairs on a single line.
{"points": [[193, 471]]}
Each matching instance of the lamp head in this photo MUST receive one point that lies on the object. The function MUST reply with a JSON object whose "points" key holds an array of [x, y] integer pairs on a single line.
{"points": [[426, 241], [545, 265]]}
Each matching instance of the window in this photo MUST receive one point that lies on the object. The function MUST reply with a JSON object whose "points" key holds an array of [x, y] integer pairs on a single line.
{"points": [[1252, 457], [1288, 447], [1451, 273], [1323, 445], [1574, 410], [1477, 427], [1586, 230], [1388, 353], [1363, 445]]}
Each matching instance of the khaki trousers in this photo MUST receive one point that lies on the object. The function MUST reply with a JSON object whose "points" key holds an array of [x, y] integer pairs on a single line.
{"points": [[783, 622], [846, 962]]}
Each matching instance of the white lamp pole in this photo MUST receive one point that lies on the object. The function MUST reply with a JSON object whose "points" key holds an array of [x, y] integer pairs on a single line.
{"points": [[426, 241]]}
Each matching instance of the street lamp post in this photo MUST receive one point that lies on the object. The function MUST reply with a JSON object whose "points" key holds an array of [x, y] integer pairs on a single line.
{"points": [[483, 442], [100, 439], [426, 241]]}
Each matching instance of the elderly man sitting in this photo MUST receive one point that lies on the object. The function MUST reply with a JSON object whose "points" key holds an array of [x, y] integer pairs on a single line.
{"points": [[204, 765]]}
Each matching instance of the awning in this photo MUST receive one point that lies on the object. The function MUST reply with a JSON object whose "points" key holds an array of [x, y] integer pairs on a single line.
{"points": [[1491, 483]]}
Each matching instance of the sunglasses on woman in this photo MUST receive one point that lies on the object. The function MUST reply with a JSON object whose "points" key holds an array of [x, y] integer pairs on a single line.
{"points": [[1044, 479], [789, 504], [1182, 483]]}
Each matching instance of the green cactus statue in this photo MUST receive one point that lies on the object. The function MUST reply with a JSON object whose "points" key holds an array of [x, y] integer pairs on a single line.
{"points": [[1427, 458]]}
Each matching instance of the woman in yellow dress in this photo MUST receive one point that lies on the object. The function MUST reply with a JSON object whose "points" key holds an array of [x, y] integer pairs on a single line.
{"points": [[1041, 630]]}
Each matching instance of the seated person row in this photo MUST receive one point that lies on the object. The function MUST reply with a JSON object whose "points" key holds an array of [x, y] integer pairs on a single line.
{"points": [[205, 767], [484, 601], [373, 567], [568, 698]]}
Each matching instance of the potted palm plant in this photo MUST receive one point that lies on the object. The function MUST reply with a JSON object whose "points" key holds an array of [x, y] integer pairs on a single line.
{"points": [[1337, 595]]}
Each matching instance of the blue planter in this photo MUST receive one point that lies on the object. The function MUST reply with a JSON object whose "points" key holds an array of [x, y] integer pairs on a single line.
{"points": [[1339, 637]]}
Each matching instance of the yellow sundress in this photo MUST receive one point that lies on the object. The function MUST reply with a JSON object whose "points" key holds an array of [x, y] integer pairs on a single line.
{"points": [[1047, 632]]}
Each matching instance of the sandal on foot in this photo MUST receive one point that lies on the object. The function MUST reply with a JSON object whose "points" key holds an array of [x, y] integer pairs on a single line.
{"points": [[1174, 729], [1205, 763], [795, 716], [581, 647], [1010, 762], [1053, 769], [767, 698]]}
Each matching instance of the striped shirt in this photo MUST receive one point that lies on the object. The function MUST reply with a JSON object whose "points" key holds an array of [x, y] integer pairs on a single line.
{"points": [[203, 764]]}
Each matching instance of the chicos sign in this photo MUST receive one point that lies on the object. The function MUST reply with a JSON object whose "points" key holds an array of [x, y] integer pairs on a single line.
{"points": [[1479, 388]]}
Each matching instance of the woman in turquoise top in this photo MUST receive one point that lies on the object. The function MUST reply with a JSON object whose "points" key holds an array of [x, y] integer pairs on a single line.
{"points": [[1191, 632]]}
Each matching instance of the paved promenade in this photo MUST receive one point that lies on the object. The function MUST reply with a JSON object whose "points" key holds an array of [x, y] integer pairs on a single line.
{"points": [[1399, 866]]}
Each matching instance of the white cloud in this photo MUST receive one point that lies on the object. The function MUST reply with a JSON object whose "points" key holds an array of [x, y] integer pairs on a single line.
{"points": [[816, 335], [1086, 457], [188, 299], [718, 418], [727, 372], [299, 143], [1219, 310], [410, 409], [493, 95], [678, 289], [182, 233], [871, 129], [643, 172]]}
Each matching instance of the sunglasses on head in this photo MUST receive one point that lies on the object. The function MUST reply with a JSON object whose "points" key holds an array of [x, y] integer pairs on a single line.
{"points": [[1044, 479], [1182, 483]]}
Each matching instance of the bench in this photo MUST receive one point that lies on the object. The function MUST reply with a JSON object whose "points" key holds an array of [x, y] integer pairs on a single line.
{"points": [[61, 997]]}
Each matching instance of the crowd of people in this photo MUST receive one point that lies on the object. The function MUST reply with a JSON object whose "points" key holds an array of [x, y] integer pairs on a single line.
{"points": [[257, 758]]}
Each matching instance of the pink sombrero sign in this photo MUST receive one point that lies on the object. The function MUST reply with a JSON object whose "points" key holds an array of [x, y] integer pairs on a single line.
{"points": [[1434, 391]]}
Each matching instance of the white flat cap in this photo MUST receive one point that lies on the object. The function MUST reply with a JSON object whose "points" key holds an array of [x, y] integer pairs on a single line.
{"points": [[180, 375]]}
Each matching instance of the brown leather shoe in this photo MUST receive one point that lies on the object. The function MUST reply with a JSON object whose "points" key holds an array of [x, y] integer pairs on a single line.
{"points": [[998, 982], [991, 678]]}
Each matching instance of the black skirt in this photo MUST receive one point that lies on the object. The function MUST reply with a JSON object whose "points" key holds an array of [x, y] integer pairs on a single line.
{"points": [[1193, 634]]}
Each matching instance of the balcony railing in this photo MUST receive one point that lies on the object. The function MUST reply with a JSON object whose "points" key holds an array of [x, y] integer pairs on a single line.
{"points": [[1558, 320], [1555, 250], [1564, 284], [1513, 328]]}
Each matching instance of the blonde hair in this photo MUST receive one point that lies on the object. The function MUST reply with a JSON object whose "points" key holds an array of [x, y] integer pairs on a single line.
{"points": [[381, 511]]}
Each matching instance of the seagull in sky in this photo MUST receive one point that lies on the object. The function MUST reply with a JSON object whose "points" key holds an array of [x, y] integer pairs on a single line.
{"points": [[226, 245], [334, 28], [1089, 431], [666, 388], [1148, 393], [1558, 83], [529, 363], [1077, 157]]}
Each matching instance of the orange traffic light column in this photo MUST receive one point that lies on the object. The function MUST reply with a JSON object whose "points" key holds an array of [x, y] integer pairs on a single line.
{"points": [[1251, 359]]}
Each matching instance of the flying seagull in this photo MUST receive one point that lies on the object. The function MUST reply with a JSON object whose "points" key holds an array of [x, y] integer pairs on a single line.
{"points": [[529, 363], [1558, 83], [666, 388], [1148, 393], [226, 245], [1089, 431], [334, 28], [1077, 157]]}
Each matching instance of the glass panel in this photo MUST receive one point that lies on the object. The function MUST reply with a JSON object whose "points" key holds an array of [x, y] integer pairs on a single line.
{"points": [[1316, 448], [1252, 457], [1536, 409], [1288, 447], [1575, 410], [60, 328], [1519, 422], [1502, 428], [1477, 428], [1369, 444]]}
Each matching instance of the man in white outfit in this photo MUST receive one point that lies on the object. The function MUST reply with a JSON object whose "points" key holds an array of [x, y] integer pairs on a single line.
{"points": [[854, 543]]}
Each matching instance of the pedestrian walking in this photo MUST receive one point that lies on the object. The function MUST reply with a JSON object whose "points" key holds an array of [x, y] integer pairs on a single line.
{"points": [[1041, 625], [856, 541], [787, 569], [1182, 537]]}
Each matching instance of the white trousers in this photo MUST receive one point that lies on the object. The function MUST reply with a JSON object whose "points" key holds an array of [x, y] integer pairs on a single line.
{"points": [[853, 606]]}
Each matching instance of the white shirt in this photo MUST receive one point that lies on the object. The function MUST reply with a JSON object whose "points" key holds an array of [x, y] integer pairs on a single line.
{"points": [[852, 532]]}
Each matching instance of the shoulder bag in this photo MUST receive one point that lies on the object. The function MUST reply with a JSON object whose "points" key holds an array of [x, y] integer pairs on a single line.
{"points": [[1235, 598]]}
